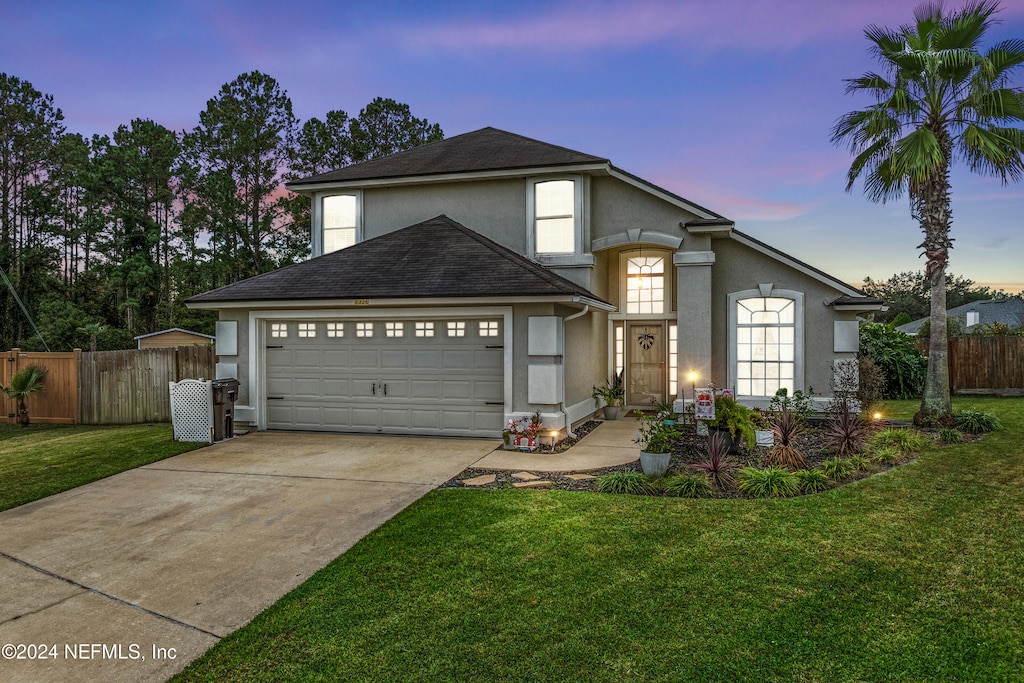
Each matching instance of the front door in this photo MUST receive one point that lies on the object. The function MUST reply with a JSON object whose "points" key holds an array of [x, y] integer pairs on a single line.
{"points": [[646, 356]]}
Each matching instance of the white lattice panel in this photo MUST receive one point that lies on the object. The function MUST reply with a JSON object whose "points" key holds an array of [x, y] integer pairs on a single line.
{"points": [[192, 410]]}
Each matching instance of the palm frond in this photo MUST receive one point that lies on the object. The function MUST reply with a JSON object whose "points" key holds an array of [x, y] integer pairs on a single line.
{"points": [[994, 151], [917, 155]]}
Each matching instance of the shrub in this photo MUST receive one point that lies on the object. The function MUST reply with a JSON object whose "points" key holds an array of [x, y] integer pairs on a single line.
{"points": [[886, 455], [895, 354], [950, 435], [858, 463], [688, 485], [799, 403], [975, 421], [771, 481], [784, 453], [836, 469], [847, 433], [717, 465], [902, 440], [634, 483], [811, 481], [870, 383]]}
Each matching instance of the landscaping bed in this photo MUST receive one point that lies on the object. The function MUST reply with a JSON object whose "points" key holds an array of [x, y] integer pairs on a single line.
{"points": [[690, 448]]}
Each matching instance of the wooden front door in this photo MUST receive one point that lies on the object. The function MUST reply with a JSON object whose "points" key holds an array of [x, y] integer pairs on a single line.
{"points": [[646, 363]]}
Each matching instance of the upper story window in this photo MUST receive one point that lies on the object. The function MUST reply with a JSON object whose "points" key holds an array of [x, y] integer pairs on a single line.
{"points": [[556, 217], [340, 217]]}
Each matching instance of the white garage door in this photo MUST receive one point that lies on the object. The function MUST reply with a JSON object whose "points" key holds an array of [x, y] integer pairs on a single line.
{"points": [[431, 377]]}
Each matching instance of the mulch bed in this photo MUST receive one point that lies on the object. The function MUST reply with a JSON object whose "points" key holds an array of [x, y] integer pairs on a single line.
{"points": [[690, 448]]}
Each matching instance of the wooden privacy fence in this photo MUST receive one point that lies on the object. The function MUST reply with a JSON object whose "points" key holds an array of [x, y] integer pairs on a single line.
{"points": [[57, 403], [985, 364], [131, 387], [105, 387]]}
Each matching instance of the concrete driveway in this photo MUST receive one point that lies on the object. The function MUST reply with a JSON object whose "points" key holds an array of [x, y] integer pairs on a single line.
{"points": [[132, 577]]}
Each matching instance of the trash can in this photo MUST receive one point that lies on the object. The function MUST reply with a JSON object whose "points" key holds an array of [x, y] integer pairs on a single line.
{"points": [[225, 392]]}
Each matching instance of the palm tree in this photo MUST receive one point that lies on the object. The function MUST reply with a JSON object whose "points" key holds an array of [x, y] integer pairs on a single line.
{"points": [[24, 383], [939, 98]]}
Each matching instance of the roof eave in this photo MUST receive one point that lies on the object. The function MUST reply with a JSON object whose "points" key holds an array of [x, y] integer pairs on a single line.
{"points": [[309, 189], [395, 302]]}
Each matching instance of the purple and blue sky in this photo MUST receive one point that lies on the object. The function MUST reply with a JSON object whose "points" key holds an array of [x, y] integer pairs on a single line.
{"points": [[728, 103]]}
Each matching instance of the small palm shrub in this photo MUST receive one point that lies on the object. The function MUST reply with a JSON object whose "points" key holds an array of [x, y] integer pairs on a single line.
{"points": [[767, 482], [634, 483], [836, 469], [717, 465], [903, 440], [950, 435], [886, 455], [847, 432], [688, 485], [976, 421], [811, 481], [787, 425]]}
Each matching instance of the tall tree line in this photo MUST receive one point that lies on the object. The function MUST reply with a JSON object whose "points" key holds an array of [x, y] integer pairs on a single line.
{"points": [[102, 239]]}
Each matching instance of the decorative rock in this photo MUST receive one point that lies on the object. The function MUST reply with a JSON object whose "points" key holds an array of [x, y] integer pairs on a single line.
{"points": [[540, 483], [581, 477], [482, 480], [526, 476]]}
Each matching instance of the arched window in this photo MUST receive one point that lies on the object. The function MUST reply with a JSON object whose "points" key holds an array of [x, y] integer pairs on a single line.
{"points": [[766, 336]]}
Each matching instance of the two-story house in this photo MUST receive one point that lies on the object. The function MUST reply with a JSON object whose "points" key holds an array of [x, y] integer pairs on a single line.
{"points": [[490, 275]]}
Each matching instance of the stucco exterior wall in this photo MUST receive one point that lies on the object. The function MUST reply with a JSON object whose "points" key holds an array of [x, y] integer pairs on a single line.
{"points": [[493, 208], [738, 268], [241, 359], [617, 206]]}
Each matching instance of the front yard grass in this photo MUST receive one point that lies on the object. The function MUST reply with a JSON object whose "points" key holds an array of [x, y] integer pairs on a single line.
{"points": [[41, 460], [912, 575]]}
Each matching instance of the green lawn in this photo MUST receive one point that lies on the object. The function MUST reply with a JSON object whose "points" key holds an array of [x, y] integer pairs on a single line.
{"points": [[915, 575], [41, 460]]}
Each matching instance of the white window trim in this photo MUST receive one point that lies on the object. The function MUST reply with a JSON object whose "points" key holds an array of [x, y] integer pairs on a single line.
{"points": [[316, 247], [580, 223], [798, 335]]}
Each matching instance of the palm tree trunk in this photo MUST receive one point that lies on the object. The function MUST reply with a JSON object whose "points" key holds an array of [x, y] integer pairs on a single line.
{"points": [[930, 202]]}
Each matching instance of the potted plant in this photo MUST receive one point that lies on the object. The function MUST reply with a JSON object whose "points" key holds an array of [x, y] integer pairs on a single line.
{"points": [[764, 433], [612, 395], [656, 441], [734, 420], [666, 412]]}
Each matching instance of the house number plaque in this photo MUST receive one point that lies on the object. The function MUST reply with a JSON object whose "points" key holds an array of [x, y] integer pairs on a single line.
{"points": [[360, 302]]}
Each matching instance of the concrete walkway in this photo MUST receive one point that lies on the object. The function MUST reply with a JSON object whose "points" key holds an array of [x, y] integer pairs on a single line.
{"points": [[131, 577], [609, 445]]}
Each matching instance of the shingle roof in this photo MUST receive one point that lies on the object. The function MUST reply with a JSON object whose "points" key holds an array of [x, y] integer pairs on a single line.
{"points": [[1009, 311], [487, 149], [436, 258]]}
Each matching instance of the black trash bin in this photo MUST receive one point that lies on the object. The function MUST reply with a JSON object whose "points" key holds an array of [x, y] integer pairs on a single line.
{"points": [[225, 393]]}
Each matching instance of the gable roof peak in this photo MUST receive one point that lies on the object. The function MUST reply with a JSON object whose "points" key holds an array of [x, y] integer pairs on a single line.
{"points": [[486, 149]]}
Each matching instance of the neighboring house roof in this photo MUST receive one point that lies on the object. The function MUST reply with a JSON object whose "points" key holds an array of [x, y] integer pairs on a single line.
{"points": [[438, 258], [175, 329], [1004, 311], [484, 151]]}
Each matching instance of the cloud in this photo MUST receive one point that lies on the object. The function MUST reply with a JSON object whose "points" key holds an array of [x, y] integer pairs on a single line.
{"points": [[691, 24]]}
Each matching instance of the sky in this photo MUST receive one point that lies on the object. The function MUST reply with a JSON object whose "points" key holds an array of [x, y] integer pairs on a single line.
{"points": [[728, 103]]}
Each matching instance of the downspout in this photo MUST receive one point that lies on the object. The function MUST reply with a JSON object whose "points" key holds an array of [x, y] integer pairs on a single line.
{"points": [[565, 413]]}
